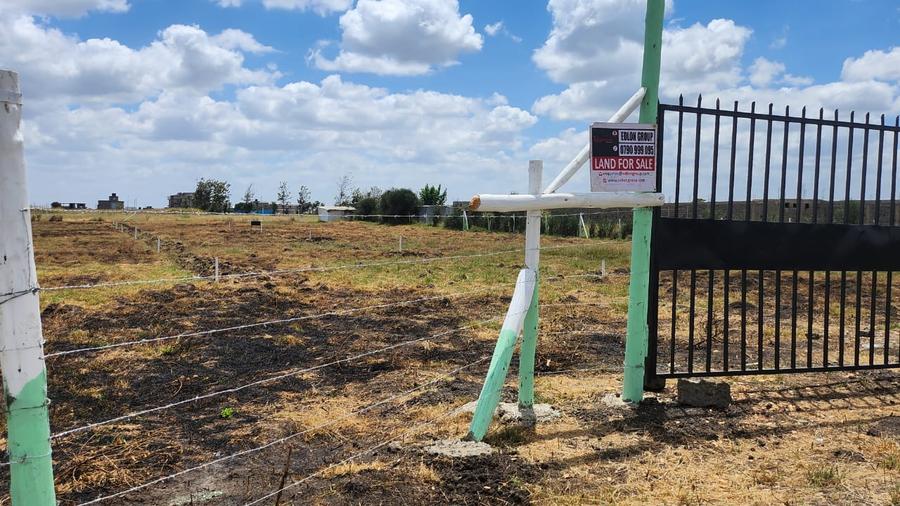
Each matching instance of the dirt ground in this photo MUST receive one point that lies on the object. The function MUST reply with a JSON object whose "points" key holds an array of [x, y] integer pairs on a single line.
{"points": [[799, 439]]}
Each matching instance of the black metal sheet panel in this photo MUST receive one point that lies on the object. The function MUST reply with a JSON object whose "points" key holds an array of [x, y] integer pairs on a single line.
{"points": [[685, 244]]}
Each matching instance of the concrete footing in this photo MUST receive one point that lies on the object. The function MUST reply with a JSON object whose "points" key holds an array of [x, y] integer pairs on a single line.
{"points": [[704, 393]]}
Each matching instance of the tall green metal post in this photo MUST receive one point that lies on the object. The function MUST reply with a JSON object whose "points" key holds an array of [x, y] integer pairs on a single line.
{"points": [[638, 289]]}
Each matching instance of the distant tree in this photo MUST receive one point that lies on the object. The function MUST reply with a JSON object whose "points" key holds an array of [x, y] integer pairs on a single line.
{"points": [[344, 194], [433, 196], [248, 197], [398, 202], [284, 196], [202, 195], [304, 205], [212, 195]]}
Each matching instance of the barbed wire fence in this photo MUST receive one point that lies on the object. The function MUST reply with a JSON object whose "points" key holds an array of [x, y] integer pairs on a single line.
{"points": [[60, 436]]}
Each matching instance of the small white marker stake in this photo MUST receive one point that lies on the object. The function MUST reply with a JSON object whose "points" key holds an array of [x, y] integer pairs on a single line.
{"points": [[401, 244], [158, 244], [603, 267], [135, 233], [217, 269]]}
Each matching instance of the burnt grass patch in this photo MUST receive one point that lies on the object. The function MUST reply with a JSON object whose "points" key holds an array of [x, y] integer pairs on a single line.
{"points": [[101, 385]]}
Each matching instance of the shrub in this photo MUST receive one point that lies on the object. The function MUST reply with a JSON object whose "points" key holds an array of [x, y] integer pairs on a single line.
{"points": [[401, 202], [367, 205], [56, 217]]}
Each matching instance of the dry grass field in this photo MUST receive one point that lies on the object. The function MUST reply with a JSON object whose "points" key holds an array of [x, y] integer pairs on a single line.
{"points": [[320, 385]]}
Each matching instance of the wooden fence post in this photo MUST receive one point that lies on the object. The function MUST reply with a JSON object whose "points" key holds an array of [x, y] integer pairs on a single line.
{"points": [[532, 260], [21, 338], [503, 350], [637, 335]]}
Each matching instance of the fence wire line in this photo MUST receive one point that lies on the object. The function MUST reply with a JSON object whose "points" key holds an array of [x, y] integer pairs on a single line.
{"points": [[280, 376], [294, 319], [340, 312], [357, 455], [388, 400], [277, 272]]}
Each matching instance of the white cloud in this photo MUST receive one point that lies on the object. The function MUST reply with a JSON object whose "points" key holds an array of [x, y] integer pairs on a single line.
{"points": [[703, 57], [876, 64], [593, 39], [241, 41], [320, 129], [321, 7], [499, 28], [63, 8], [764, 71], [493, 28], [401, 37], [61, 67]]}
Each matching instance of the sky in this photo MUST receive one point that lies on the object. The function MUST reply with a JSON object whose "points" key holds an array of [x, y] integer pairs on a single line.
{"points": [[144, 97]]}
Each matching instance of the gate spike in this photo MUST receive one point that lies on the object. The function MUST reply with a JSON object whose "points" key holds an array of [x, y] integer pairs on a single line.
{"points": [[735, 106], [717, 102], [821, 112], [882, 119], [699, 100], [753, 106], [836, 114], [803, 112], [867, 118], [680, 99], [771, 108]]}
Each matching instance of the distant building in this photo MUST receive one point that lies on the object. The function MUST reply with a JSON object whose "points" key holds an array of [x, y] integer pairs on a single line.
{"points": [[68, 205], [112, 203], [181, 200], [335, 213]]}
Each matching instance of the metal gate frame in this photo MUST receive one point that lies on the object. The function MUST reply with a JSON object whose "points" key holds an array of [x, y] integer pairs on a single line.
{"points": [[748, 240]]}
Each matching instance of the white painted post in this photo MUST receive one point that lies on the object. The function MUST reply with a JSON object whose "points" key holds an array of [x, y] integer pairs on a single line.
{"points": [[465, 220], [530, 327], [135, 233], [401, 244], [21, 337], [217, 269], [583, 226], [603, 267], [158, 245]]}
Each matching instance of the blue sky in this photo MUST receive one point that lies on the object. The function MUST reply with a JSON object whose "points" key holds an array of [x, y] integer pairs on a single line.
{"points": [[143, 97]]}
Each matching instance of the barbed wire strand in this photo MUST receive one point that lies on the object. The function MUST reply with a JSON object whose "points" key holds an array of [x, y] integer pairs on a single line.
{"points": [[423, 387], [278, 272], [287, 373], [339, 312]]}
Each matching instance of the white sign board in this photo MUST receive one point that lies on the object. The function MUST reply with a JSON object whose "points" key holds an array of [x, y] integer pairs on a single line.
{"points": [[623, 157]]}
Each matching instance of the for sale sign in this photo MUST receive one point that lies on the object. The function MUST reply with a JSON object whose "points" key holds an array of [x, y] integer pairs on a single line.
{"points": [[623, 157]]}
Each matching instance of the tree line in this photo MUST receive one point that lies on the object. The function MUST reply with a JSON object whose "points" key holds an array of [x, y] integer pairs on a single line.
{"points": [[214, 195]]}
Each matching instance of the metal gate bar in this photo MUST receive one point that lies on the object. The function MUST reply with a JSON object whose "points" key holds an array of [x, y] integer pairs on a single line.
{"points": [[685, 248]]}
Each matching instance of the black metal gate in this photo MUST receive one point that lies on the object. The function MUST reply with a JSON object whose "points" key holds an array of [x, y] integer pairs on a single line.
{"points": [[776, 251]]}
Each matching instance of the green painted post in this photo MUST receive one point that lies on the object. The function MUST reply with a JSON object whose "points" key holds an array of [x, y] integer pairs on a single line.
{"points": [[636, 340], [532, 261], [527, 352], [503, 350], [22, 355]]}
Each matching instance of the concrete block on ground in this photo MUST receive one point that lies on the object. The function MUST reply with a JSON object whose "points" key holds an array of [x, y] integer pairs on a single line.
{"points": [[704, 393]]}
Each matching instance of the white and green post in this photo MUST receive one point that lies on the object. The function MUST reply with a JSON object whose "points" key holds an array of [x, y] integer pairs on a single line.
{"points": [[21, 341], [637, 335]]}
